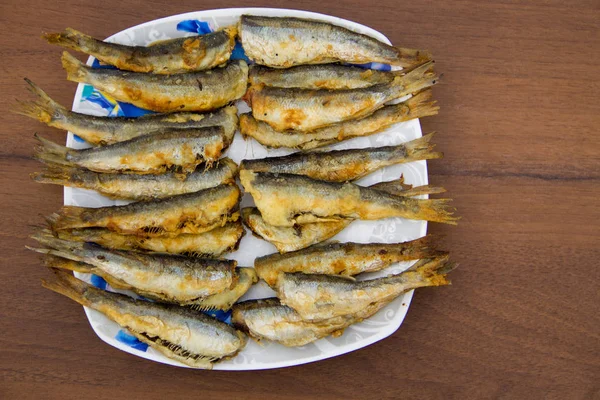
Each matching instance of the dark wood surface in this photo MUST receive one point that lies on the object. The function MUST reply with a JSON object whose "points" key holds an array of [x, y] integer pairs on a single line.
{"points": [[519, 125]]}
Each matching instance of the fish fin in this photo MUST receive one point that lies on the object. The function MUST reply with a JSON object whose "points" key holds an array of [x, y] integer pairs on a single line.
{"points": [[419, 78], [435, 210], [58, 175], [412, 58], [421, 149], [67, 217], [66, 284], [431, 271], [52, 261], [50, 152], [421, 190], [43, 108], [76, 70], [420, 105], [71, 39]]}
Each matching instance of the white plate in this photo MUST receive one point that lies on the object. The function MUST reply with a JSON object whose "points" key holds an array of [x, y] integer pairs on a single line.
{"points": [[266, 355]]}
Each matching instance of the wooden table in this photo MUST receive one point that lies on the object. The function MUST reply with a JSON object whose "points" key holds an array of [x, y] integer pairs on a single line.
{"points": [[519, 127]]}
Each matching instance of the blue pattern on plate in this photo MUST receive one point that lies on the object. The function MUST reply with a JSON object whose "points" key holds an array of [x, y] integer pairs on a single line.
{"points": [[374, 65], [100, 283], [194, 25], [224, 316], [131, 341], [114, 108]]}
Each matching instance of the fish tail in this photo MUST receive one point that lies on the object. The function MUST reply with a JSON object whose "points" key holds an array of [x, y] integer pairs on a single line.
{"points": [[43, 108], [411, 58], [421, 190], [418, 79], [67, 217], [421, 149], [52, 261], [50, 152], [66, 284], [46, 238], [76, 70], [71, 39], [434, 271], [397, 187], [60, 175], [435, 210], [420, 105]]}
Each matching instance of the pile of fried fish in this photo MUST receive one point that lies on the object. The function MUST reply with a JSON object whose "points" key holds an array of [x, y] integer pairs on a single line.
{"points": [[168, 244]]}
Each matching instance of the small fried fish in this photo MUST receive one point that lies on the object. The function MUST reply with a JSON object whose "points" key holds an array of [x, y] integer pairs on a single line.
{"points": [[172, 278], [297, 237], [172, 216], [345, 165], [417, 106], [243, 279], [306, 110], [108, 130], [286, 200], [213, 243], [346, 259], [181, 334], [194, 91], [181, 150], [136, 186], [320, 76], [286, 238], [320, 297], [186, 54], [282, 42]]}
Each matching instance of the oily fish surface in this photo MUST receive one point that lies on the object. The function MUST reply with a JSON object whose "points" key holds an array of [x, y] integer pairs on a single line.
{"points": [[188, 213], [179, 333], [194, 91]]}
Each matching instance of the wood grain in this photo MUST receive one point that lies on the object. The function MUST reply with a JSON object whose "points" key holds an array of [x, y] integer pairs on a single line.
{"points": [[519, 127]]}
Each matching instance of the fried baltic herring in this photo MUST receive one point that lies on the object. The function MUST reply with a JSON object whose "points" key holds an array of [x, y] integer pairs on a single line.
{"points": [[179, 333], [186, 54], [194, 91]]}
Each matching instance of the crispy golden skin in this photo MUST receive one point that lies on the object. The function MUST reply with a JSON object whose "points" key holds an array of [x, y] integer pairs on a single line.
{"points": [[286, 200], [282, 42], [417, 106], [187, 213], [179, 333], [187, 54], [194, 91]]}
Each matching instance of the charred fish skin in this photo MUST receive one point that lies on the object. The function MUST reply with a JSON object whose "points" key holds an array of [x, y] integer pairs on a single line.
{"points": [[181, 150], [321, 76], [108, 130], [417, 106], [179, 333], [345, 165], [139, 186], [211, 244], [320, 297], [347, 259], [172, 216], [187, 54], [170, 277], [286, 200], [309, 109], [282, 42], [194, 91], [287, 239]]}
